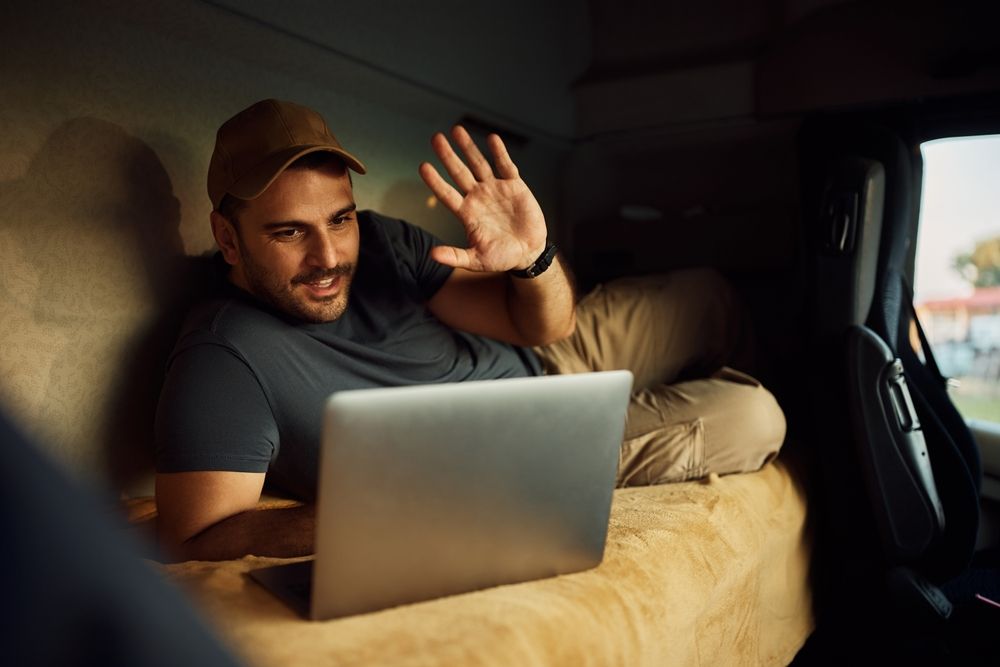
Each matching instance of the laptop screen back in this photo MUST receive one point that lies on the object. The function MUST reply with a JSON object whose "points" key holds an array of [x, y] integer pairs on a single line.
{"points": [[440, 489]]}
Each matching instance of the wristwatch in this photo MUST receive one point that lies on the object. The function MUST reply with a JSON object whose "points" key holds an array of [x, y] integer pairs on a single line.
{"points": [[538, 267]]}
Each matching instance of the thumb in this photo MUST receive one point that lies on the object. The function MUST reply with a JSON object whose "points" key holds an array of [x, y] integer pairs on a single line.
{"points": [[460, 258]]}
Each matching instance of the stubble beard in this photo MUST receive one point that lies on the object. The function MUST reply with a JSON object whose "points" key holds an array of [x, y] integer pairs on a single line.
{"points": [[282, 295]]}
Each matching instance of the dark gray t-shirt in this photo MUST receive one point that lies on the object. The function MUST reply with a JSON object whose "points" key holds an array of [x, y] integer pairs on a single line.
{"points": [[246, 384]]}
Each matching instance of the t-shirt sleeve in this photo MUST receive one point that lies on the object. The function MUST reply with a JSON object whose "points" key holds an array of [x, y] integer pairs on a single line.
{"points": [[412, 247], [213, 415]]}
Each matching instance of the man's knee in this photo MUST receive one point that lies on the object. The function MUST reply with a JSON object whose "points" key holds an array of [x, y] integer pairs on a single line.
{"points": [[751, 432], [766, 426]]}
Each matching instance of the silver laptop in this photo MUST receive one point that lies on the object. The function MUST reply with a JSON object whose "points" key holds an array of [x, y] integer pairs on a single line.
{"points": [[435, 490]]}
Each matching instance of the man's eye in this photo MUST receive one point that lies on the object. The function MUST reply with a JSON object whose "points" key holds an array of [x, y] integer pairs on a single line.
{"points": [[287, 234], [341, 220]]}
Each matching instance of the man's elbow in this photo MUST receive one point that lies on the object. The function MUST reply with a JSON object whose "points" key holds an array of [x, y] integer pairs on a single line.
{"points": [[176, 548], [185, 541], [569, 328], [172, 547], [555, 334]]}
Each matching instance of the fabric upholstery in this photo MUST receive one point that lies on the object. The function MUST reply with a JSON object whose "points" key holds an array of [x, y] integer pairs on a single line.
{"points": [[711, 572]]}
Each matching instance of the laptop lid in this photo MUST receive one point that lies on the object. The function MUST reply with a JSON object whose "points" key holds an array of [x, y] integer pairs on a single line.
{"points": [[434, 490]]}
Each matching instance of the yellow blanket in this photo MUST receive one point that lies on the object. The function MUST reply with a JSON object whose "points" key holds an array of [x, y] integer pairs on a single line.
{"points": [[700, 573]]}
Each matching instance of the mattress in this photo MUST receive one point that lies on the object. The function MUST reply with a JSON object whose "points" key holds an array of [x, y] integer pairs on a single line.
{"points": [[711, 572]]}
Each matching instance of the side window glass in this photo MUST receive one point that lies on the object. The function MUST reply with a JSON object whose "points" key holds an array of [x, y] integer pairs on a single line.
{"points": [[957, 276]]}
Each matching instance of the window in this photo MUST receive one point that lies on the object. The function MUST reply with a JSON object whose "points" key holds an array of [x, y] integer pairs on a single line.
{"points": [[957, 277]]}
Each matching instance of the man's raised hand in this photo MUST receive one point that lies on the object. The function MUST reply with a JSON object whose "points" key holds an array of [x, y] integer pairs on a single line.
{"points": [[503, 222]]}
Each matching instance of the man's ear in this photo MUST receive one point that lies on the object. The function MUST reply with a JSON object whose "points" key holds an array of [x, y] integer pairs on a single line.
{"points": [[226, 238]]}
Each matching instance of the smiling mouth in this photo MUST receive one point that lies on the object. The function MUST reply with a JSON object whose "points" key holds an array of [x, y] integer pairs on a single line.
{"points": [[325, 285], [323, 288]]}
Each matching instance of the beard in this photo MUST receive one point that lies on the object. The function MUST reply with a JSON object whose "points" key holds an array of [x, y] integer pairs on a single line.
{"points": [[283, 295]]}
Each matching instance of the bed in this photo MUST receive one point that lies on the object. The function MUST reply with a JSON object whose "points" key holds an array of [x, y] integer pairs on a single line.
{"points": [[710, 572]]}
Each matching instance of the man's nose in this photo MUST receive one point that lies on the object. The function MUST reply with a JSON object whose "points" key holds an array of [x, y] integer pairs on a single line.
{"points": [[322, 251]]}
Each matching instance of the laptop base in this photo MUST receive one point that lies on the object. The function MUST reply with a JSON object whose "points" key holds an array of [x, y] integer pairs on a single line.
{"points": [[291, 583]]}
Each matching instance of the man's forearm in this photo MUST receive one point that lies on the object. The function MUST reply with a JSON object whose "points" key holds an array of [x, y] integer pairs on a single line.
{"points": [[284, 533], [543, 309]]}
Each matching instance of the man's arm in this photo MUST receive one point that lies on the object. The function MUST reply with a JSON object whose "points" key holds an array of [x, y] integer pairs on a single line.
{"points": [[517, 311], [506, 230], [211, 516]]}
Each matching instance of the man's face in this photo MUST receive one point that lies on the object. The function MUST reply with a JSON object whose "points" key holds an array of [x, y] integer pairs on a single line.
{"points": [[297, 243]]}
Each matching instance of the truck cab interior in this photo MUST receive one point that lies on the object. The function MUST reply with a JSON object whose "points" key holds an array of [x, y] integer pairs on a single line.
{"points": [[786, 143]]}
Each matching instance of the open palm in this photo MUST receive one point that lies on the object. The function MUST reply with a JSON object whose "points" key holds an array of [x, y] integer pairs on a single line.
{"points": [[503, 222]]}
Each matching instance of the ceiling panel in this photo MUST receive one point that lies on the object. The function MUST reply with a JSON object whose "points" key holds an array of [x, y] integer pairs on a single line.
{"points": [[516, 60]]}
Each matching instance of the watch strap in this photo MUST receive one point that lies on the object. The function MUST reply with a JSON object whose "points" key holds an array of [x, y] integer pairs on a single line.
{"points": [[539, 266]]}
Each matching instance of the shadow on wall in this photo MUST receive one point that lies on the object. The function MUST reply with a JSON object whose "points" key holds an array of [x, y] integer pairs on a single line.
{"points": [[92, 259]]}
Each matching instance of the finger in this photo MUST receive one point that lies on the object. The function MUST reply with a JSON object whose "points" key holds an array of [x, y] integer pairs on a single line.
{"points": [[446, 194], [460, 258], [479, 165], [452, 163], [505, 166]]}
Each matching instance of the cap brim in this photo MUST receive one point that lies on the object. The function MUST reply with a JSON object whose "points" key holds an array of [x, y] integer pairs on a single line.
{"points": [[258, 179]]}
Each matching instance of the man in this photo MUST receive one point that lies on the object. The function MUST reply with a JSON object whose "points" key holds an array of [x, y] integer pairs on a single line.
{"points": [[323, 297]]}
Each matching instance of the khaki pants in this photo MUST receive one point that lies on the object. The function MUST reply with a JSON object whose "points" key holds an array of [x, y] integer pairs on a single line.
{"points": [[690, 413]]}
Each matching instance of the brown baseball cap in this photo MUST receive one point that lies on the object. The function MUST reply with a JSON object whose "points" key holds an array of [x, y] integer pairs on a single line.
{"points": [[253, 147]]}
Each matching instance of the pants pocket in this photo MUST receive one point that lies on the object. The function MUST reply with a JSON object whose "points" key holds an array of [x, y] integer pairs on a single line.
{"points": [[672, 453]]}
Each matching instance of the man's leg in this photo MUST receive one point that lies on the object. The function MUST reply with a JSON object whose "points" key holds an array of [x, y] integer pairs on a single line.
{"points": [[669, 328], [723, 424], [664, 328]]}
